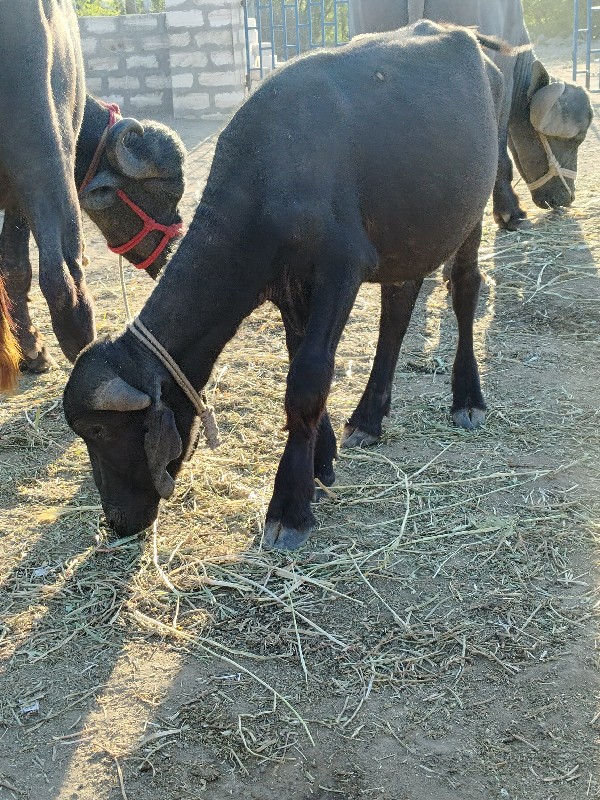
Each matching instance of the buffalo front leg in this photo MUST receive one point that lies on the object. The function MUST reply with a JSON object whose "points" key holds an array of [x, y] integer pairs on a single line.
{"points": [[294, 305], [507, 212], [16, 268], [290, 519], [468, 406], [63, 285], [397, 304]]}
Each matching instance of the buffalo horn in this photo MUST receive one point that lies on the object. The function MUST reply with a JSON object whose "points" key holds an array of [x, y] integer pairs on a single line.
{"points": [[122, 157], [117, 395]]}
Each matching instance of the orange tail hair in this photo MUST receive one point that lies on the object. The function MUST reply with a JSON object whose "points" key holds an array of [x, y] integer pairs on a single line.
{"points": [[10, 354]]}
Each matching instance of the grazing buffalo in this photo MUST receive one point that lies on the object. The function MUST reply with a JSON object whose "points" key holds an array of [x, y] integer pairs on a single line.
{"points": [[543, 120], [42, 98], [348, 165], [129, 177]]}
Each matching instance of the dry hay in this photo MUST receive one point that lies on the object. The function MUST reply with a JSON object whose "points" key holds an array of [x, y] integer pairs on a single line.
{"points": [[444, 571]]}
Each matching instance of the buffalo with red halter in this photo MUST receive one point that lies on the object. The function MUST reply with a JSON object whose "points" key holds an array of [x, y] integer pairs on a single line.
{"points": [[133, 193], [130, 180]]}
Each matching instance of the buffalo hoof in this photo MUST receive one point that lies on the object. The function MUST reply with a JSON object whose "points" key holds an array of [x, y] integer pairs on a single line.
{"points": [[508, 223], [279, 537], [42, 362], [354, 437], [468, 418]]}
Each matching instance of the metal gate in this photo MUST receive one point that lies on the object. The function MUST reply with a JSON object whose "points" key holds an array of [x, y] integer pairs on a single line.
{"points": [[589, 32], [277, 30]]}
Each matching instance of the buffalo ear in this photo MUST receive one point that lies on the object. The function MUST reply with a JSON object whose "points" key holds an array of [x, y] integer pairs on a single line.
{"points": [[539, 78], [100, 193], [162, 444], [549, 112]]}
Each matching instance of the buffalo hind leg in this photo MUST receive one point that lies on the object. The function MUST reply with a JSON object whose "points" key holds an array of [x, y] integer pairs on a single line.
{"points": [[16, 268], [290, 519], [397, 304], [468, 406]]}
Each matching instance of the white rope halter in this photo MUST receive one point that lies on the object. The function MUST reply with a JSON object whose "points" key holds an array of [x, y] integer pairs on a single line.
{"points": [[554, 168], [206, 413]]}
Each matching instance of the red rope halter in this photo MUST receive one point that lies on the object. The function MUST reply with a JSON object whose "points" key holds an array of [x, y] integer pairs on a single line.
{"points": [[149, 225], [169, 232]]}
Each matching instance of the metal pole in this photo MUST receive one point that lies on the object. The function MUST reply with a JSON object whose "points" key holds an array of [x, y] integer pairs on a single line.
{"points": [[247, 38], [575, 37], [588, 46]]}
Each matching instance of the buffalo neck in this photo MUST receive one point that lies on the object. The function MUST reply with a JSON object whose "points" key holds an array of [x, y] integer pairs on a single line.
{"points": [[522, 81], [95, 120], [530, 156], [214, 280]]}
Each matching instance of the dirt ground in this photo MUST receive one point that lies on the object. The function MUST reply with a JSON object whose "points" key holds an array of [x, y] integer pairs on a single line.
{"points": [[437, 638]]}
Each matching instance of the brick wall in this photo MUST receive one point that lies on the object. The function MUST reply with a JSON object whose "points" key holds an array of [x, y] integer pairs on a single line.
{"points": [[186, 62], [207, 56]]}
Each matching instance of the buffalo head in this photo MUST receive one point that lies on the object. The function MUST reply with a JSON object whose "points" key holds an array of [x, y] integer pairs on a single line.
{"points": [[145, 161], [137, 426], [562, 113]]}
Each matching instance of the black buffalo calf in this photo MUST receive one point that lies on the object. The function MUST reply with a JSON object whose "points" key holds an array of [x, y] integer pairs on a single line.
{"points": [[348, 165]]}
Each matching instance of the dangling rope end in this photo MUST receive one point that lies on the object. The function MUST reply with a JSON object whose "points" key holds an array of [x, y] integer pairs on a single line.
{"points": [[211, 428]]}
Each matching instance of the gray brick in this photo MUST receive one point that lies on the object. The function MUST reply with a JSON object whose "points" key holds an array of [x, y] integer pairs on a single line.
{"points": [[158, 82], [229, 99], [187, 60], [141, 22], [101, 25], [229, 78], [93, 84], [221, 58], [147, 62], [185, 19], [154, 43], [183, 81], [177, 40], [213, 38], [146, 100], [220, 18], [124, 82], [191, 101], [89, 46], [106, 64], [122, 44]]}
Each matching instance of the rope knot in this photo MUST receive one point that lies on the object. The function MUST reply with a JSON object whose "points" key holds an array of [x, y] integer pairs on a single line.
{"points": [[206, 413]]}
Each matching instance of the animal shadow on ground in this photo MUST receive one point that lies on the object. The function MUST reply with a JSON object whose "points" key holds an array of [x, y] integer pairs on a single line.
{"points": [[546, 285], [60, 596], [61, 636], [547, 379]]}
